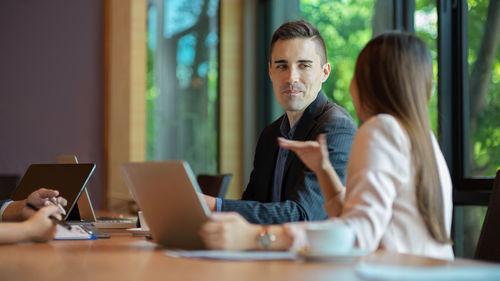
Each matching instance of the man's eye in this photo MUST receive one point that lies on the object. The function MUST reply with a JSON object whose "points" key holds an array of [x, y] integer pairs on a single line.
{"points": [[281, 66], [305, 66]]}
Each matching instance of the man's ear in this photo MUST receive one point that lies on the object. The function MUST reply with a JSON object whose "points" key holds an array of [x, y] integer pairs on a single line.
{"points": [[327, 68]]}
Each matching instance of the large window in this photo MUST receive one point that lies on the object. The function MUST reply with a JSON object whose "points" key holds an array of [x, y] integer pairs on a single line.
{"points": [[483, 27], [426, 28], [480, 31], [182, 82], [346, 27]]}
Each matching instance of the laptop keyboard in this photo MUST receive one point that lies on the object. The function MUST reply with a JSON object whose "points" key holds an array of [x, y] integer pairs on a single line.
{"points": [[115, 223]]}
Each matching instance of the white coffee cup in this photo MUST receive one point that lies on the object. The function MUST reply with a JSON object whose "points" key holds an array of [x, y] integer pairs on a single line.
{"points": [[329, 238], [144, 224]]}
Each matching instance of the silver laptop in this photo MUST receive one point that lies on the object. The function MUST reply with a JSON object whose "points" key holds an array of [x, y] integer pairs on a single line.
{"points": [[171, 201], [85, 205]]}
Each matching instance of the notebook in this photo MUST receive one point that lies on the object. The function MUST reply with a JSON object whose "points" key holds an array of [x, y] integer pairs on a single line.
{"points": [[171, 201], [85, 209], [75, 233]]}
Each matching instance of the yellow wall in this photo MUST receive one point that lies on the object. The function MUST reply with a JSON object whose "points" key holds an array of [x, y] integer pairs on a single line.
{"points": [[231, 94]]}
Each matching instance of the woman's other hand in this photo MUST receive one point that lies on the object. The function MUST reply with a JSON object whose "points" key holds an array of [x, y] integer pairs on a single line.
{"points": [[229, 231]]}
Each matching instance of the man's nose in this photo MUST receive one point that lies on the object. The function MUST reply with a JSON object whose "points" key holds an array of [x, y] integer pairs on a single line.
{"points": [[293, 75]]}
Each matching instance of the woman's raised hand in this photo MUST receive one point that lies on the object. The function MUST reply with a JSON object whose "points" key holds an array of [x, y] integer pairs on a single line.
{"points": [[314, 154]]}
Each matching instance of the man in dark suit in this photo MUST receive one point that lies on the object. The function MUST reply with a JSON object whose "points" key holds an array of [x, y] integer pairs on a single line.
{"points": [[281, 188]]}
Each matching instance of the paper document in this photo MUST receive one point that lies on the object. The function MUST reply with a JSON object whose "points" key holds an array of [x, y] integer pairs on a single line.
{"points": [[232, 255], [435, 273], [76, 233]]}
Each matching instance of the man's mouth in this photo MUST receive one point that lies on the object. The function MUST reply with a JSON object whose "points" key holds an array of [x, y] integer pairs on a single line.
{"points": [[291, 92], [294, 89]]}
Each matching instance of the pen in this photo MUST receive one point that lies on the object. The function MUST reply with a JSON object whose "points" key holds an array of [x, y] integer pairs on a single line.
{"points": [[59, 222], [54, 200]]}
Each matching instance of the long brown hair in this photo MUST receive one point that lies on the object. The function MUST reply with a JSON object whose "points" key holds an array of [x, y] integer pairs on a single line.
{"points": [[394, 76]]}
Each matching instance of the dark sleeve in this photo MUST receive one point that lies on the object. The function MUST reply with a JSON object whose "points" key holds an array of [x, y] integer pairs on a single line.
{"points": [[265, 213], [339, 140], [306, 199]]}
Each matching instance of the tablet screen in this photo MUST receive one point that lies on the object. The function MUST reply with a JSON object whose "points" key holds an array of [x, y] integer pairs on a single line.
{"points": [[68, 179]]}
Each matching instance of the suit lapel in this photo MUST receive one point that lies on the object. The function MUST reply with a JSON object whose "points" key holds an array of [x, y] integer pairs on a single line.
{"points": [[306, 123], [271, 165]]}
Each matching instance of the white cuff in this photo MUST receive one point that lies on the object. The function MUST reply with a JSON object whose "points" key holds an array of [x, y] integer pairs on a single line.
{"points": [[4, 206]]}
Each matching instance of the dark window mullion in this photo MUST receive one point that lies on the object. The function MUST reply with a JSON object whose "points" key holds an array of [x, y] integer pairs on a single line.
{"points": [[469, 191], [445, 84], [461, 83], [404, 15]]}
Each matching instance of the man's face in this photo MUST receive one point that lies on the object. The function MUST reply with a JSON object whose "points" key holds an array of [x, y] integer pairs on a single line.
{"points": [[296, 72]]}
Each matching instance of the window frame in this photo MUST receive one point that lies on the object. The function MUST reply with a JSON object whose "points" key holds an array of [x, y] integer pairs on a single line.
{"points": [[453, 108], [453, 112]]}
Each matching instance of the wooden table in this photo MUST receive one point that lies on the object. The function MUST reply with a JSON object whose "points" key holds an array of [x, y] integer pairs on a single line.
{"points": [[123, 257]]}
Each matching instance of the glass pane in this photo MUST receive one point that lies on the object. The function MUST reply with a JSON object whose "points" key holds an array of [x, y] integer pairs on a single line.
{"points": [[426, 28], [346, 27], [467, 221], [483, 148], [182, 111]]}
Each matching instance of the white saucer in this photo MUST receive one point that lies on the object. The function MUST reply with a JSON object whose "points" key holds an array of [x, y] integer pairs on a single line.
{"points": [[339, 258], [138, 231]]}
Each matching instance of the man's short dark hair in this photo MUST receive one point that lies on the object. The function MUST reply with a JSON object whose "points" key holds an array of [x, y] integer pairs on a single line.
{"points": [[300, 29]]}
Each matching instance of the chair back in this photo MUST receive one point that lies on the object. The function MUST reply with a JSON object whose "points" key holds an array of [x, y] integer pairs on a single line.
{"points": [[214, 185], [488, 246], [8, 184]]}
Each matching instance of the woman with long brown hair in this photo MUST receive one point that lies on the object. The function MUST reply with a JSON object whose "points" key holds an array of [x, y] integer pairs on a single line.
{"points": [[398, 189]]}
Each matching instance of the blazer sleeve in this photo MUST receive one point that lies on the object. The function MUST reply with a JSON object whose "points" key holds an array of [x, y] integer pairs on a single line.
{"points": [[305, 201]]}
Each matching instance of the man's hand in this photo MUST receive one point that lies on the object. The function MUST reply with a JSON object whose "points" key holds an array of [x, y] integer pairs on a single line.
{"points": [[211, 202], [41, 197], [17, 210]]}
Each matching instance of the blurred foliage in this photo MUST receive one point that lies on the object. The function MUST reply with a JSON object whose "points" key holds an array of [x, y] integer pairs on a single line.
{"points": [[182, 109], [485, 140], [346, 26], [151, 94], [426, 28]]}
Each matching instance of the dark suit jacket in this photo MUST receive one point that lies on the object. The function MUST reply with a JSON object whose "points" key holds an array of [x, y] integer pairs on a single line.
{"points": [[301, 196]]}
